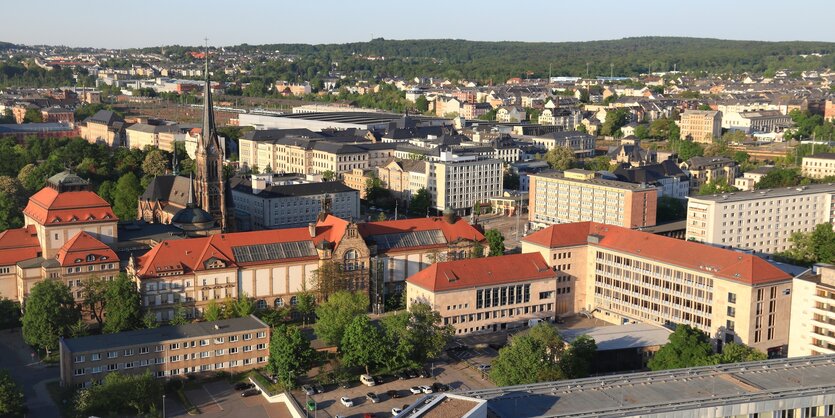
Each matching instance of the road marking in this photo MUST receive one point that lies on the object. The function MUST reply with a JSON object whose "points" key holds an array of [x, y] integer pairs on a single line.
{"points": [[213, 398]]}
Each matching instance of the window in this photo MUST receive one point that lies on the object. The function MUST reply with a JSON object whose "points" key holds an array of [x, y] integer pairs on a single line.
{"points": [[731, 297], [79, 372], [143, 350], [294, 301], [204, 342], [173, 359], [129, 352], [233, 338], [205, 354], [278, 302], [233, 350], [79, 359], [218, 340], [95, 357], [247, 337], [731, 311], [730, 325], [351, 260], [112, 354], [260, 346], [112, 367], [174, 346], [261, 304], [262, 334], [247, 348], [220, 352]]}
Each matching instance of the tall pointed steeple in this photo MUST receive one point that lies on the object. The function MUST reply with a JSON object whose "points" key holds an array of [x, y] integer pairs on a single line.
{"points": [[190, 203], [209, 130]]}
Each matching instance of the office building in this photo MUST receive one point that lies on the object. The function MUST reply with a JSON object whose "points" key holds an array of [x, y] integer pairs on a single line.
{"points": [[579, 195], [230, 345], [458, 182], [759, 220], [622, 275]]}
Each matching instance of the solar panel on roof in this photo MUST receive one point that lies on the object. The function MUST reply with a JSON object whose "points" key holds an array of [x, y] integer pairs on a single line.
{"points": [[274, 251], [409, 239]]}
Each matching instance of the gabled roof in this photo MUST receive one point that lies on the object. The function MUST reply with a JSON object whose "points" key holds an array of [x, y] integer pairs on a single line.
{"points": [[104, 117], [168, 188], [452, 232], [19, 244], [48, 206], [727, 264], [76, 251], [477, 272]]}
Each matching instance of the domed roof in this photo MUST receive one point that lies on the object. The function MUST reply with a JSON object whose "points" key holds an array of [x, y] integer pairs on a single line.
{"points": [[193, 219]]}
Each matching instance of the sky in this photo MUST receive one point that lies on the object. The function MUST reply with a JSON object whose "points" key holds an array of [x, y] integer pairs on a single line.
{"points": [[123, 24]]}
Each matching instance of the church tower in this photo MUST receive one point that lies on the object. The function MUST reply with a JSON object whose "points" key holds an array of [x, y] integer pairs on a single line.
{"points": [[210, 187]]}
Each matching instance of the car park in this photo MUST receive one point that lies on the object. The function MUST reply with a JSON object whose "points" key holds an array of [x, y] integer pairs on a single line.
{"points": [[483, 367], [416, 390], [348, 402], [393, 394], [411, 373], [439, 387], [402, 375], [250, 392], [319, 388], [379, 380], [372, 397], [244, 386], [345, 384], [308, 390], [425, 389]]}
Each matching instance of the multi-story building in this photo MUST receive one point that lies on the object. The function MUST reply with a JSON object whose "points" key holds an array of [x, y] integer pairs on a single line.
{"points": [[622, 275], [358, 178], [104, 127], [141, 135], [812, 330], [580, 142], [508, 114], [750, 179], [579, 195], [230, 345], [259, 148], [706, 169], [274, 266], [58, 115], [701, 125], [760, 121], [566, 118], [759, 220], [458, 182], [274, 205], [487, 294], [405, 177], [819, 166]]}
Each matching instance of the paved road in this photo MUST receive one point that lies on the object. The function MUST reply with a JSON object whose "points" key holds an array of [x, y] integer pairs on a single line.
{"points": [[31, 375]]}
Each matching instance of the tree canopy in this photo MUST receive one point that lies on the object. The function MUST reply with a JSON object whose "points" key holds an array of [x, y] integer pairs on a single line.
{"points": [[50, 312], [290, 353], [11, 396], [495, 242], [336, 313], [687, 347], [362, 343], [560, 158]]}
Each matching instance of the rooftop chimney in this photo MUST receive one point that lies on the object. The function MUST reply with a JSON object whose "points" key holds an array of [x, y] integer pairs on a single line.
{"points": [[311, 228]]}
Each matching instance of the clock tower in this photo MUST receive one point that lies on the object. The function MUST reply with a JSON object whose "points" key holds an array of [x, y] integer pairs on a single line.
{"points": [[209, 183]]}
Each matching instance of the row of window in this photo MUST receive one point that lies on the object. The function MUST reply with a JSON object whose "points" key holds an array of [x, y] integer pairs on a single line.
{"points": [[503, 295], [172, 346]]}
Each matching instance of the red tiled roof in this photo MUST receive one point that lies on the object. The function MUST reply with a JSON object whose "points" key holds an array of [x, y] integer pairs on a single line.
{"points": [[475, 272], [460, 230], [75, 251], [727, 264], [19, 244], [47, 207]]}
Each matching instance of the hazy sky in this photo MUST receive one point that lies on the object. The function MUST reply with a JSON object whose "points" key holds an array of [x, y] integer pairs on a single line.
{"points": [[125, 24]]}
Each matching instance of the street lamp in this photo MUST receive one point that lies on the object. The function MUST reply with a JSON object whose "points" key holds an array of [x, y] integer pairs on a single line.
{"points": [[163, 405]]}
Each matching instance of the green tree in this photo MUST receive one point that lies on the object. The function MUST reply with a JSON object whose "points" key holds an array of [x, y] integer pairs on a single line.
{"points": [[306, 305], [615, 119], [495, 241], [420, 203], [601, 163], [336, 313], [329, 278], [560, 158], [124, 306], [149, 320], [816, 246], [687, 149], [9, 313], [126, 196], [50, 312], [642, 131], [79, 329], [244, 306], [119, 395], [716, 186], [577, 360], [530, 357], [94, 290], [10, 215], [738, 353], [478, 250], [328, 175], [686, 347], [422, 104], [780, 177], [671, 209], [362, 343], [212, 312], [106, 190], [155, 163], [11, 396], [381, 217], [290, 353], [179, 317], [426, 331], [33, 116]]}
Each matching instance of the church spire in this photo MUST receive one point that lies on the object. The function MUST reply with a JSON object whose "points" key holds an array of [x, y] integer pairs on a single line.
{"points": [[208, 112], [190, 192]]}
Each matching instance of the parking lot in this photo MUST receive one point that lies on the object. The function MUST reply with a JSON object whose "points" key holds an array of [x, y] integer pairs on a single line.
{"points": [[220, 399]]}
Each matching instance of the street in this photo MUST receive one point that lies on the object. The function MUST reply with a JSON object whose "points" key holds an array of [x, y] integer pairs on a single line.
{"points": [[32, 375]]}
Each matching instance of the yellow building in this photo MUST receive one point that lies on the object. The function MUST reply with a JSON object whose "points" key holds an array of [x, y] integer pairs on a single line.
{"points": [[813, 313], [819, 166], [622, 275], [701, 125], [104, 127], [579, 195]]}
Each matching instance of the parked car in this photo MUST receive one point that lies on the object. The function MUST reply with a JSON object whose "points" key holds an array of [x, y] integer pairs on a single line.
{"points": [[367, 380], [393, 394], [423, 373], [244, 386], [439, 387], [425, 389], [319, 388], [411, 373], [311, 405], [345, 384], [308, 390], [372, 397], [483, 368], [348, 402], [395, 411], [402, 375], [378, 380], [415, 390], [250, 392]]}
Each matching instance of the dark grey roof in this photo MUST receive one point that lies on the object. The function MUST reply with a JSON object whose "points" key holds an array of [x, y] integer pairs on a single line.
{"points": [[144, 127], [275, 134], [561, 135], [12, 128], [192, 218], [290, 190], [67, 178], [824, 155], [650, 173], [337, 148], [106, 117], [167, 188], [162, 334]]}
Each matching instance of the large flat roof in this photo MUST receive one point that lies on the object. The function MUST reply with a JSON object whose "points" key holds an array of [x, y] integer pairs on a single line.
{"points": [[595, 181], [767, 193], [621, 336], [664, 392]]}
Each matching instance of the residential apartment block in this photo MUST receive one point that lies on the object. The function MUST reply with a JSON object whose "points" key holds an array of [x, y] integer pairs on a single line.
{"points": [[459, 182], [622, 275], [488, 294], [701, 125], [104, 127], [230, 345], [759, 121], [709, 169], [579, 195], [580, 142], [819, 166], [759, 220], [749, 179], [813, 312], [268, 205]]}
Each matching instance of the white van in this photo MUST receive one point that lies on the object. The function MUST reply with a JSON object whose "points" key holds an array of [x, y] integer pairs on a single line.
{"points": [[367, 380]]}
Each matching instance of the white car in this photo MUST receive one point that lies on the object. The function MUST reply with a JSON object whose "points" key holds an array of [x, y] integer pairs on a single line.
{"points": [[367, 380], [415, 390], [348, 402], [395, 411], [425, 389]]}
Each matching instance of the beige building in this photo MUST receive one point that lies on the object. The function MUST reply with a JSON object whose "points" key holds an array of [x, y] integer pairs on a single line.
{"points": [[701, 125], [749, 179], [488, 294], [404, 177], [104, 127], [759, 220], [141, 135], [459, 182], [358, 178], [578, 195], [706, 169], [819, 166], [623, 276], [230, 345], [813, 312]]}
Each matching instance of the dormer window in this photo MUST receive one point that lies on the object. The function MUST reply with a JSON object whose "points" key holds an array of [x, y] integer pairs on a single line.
{"points": [[56, 220], [91, 257], [78, 260], [104, 257], [90, 217]]}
